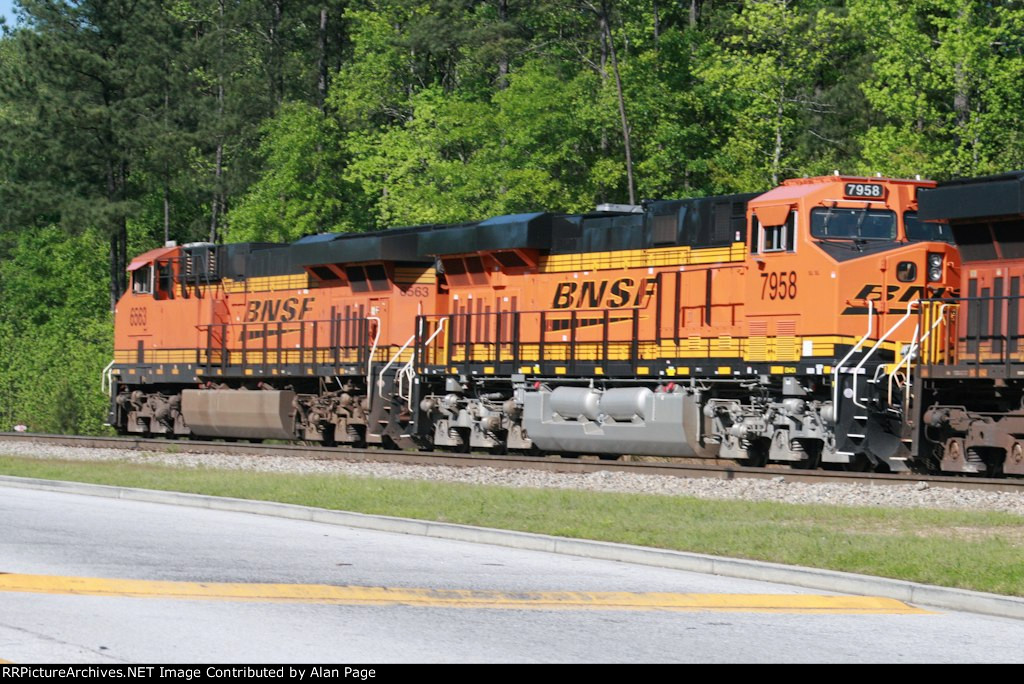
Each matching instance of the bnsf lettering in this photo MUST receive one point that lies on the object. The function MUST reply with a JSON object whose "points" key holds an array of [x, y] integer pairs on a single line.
{"points": [[895, 293], [283, 310], [597, 294], [912, 292]]}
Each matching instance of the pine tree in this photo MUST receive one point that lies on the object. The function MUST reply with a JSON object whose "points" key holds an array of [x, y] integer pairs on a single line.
{"points": [[82, 84]]}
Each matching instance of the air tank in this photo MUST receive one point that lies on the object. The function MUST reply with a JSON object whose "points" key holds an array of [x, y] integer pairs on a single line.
{"points": [[625, 403], [572, 402]]}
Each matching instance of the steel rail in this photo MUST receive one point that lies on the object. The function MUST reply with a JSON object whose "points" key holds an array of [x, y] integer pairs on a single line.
{"points": [[678, 468]]}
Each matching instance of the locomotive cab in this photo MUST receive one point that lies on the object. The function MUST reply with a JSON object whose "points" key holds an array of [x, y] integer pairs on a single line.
{"points": [[839, 269]]}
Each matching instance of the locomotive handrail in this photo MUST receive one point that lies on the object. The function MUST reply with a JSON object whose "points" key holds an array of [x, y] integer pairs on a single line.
{"points": [[373, 350], [878, 343], [380, 376], [914, 347], [408, 370], [107, 378], [856, 348], [440, 327]]}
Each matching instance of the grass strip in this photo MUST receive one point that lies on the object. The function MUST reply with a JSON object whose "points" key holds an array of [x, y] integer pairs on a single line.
{"points": [[983, 551]]}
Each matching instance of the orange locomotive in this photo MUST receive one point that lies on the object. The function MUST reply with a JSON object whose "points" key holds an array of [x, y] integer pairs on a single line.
{"points": [[269, 341], [752, 327], [778, 326], [969, 401]]}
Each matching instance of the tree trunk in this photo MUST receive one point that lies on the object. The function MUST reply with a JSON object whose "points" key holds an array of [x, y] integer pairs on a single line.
{"points": [[114, 270], [654, 8], [276, 62], [622, 103], [321, 60], [777, 155], [118, 232], [167, 214], [503, 57], [215, 202]]}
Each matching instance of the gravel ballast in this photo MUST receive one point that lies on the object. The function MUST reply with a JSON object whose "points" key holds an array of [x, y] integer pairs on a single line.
{"points": [[777, 490]]}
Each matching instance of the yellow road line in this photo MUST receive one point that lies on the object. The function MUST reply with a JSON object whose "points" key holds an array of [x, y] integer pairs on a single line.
{"points": [[454, 598]]}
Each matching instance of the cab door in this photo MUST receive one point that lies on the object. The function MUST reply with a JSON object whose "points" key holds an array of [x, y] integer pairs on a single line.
{"points": [[774, 296]]}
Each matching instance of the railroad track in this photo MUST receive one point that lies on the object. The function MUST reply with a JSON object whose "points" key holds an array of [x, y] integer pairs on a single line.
{"points": [[550, 463]]}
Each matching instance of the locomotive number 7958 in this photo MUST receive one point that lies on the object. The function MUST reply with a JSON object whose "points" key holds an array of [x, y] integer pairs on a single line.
{"points": [[780, 285]]}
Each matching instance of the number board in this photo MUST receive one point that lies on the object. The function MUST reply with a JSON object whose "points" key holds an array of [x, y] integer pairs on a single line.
{"points": [[871, 190]]}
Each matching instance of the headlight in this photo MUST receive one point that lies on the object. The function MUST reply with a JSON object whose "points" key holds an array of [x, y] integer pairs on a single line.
{"points": [[934, 267]]}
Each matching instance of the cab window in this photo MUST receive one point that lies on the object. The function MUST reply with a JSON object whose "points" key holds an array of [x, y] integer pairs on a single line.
{"points": [[926, 231], [165, 281], [776, 238], [854, 224], [142, 280]]}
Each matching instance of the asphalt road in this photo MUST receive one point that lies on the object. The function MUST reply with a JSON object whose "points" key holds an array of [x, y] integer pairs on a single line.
{"points": [[105, 580]]}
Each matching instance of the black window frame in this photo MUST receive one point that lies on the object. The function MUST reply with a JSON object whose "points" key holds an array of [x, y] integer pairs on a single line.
{"points": [[815, 226]]}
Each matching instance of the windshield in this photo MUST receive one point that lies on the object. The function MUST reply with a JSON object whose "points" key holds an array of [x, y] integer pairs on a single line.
{"points": [[926, 231], [857, 224]]}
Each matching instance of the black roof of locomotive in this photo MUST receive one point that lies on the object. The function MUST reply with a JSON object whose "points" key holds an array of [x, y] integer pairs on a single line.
{"points": [[513, 231], [699, 222], [973, 198], [394, 244]]}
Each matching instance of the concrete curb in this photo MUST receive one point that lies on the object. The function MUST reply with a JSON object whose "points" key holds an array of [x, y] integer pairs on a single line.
{"points": [[810, 578]]}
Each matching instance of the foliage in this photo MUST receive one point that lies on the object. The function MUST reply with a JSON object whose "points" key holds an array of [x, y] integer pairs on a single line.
{"points": [[55, 332], [298, 193], [770, 71], [945, 83], [136, 121]]}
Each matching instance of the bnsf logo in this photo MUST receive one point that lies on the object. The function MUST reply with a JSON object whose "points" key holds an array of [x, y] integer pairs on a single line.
{"points": [[896, 293], [602, 294], [273, 310]]}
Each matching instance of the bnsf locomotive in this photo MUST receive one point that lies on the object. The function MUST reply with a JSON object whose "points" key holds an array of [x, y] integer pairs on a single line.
{"points": [[792, 326], [968, 405]]}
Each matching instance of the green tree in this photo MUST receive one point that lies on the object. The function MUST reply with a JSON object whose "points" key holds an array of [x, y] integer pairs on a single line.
{"points": [[945, 86], [80, 84], [767, 74], [55, 331], [300, 191]]}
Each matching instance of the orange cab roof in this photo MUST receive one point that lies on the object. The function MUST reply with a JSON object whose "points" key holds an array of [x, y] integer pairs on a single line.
{"points": [[150, 256]]}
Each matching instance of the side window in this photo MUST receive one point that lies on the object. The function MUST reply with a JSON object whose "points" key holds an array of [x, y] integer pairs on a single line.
{"points": [[142, 280], [778, 238], [166, 281]]}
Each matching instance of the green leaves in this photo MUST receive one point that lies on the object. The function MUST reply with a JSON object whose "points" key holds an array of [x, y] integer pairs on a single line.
{"points": [[772, 70], [55, 332], [298, 193], [945, 81], [268, 120]]}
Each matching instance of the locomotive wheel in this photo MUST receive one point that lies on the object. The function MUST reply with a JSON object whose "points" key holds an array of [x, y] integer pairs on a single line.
{"points": [[859, 463], [464, 446], [757, 454], [813, 460]]}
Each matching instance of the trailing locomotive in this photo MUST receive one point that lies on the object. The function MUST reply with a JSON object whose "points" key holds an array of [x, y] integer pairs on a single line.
{"points": [[784, 326], [969, 403]]}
